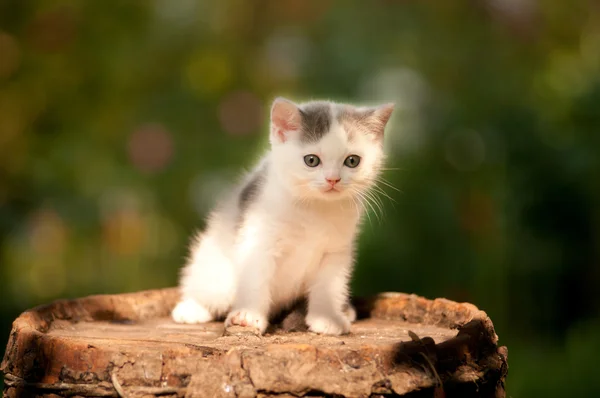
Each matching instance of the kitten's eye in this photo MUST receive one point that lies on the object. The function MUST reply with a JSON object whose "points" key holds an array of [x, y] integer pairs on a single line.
{"points": [[312, 160], [352, 161]]}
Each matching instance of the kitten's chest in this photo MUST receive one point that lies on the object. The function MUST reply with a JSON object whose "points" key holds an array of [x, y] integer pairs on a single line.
{"points": [[301, 243], [309, 234], [302, 238]]}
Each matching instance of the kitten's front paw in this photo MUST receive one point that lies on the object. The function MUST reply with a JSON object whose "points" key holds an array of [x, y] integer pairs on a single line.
{"points": [[189, 311], [245, 317], [328, 325]]}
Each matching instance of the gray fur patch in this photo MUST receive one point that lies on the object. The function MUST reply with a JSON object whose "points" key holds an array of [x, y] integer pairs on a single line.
{"points": [[316, 121], [251, 189]]}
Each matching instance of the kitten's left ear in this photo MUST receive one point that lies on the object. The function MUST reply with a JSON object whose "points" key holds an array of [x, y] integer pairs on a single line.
{"points": [[380, 117]]}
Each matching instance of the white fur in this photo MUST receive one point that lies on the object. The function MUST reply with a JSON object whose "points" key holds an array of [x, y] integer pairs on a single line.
{"points": [[295, 239]]}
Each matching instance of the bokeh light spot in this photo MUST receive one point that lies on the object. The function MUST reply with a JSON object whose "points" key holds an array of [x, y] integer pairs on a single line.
{"points": [[128, 219], [47, 232], [47, 279], [150, 148], [10, 55], [123, 232], [180, 13], [44, 268], [240, 113], [53, 31], [208, 73], [285, 54]]}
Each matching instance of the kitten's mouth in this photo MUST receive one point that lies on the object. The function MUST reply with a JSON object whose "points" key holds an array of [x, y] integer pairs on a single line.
{"points": [[331, 189]]}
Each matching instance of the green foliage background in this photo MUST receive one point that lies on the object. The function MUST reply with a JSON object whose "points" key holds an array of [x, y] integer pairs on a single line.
{"points": [[120, 120]]}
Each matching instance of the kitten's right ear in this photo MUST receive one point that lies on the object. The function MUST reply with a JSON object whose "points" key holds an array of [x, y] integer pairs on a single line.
{"points": [[285, 118]]}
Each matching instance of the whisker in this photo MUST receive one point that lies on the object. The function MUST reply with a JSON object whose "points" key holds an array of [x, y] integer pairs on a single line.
{"points": [[386, 183], [362, 205], [357, 205], [377, 201], [380, 191], [367, 201]]}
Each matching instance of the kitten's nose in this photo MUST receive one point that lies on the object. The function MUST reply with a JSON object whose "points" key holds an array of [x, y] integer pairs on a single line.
{"points": [[333, 181]]}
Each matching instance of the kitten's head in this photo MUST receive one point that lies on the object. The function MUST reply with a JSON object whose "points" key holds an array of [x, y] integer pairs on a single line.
{"points": [[324, 150]]}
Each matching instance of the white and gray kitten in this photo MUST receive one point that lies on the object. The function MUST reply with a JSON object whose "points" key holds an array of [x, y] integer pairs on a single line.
{"points": [[288, 230]]}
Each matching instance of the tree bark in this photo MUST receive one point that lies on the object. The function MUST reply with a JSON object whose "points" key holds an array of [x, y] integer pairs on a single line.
{"points": [[127, 346]]}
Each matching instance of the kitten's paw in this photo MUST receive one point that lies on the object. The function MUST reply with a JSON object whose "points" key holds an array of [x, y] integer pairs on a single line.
{"points": [[350, 312], [245, 317], [328, 325], [189, 311]]}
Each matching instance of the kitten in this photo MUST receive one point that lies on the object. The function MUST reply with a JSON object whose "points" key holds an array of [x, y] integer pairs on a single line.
{"points": [[288, 230]]}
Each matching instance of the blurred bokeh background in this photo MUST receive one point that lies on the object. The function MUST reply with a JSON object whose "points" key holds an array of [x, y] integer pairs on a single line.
{"points": [[121, 120]]}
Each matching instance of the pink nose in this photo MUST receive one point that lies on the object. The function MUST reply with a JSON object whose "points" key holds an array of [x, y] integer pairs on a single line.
{"points": [[333, 181]]}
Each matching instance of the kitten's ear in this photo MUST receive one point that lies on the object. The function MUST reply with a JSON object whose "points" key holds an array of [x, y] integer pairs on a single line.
{"points": [[381, 116], [285, 118], [383, 112]]}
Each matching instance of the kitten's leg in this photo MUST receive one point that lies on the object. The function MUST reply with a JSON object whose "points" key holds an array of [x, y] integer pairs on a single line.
{"points": [[190, 311], [207, 284], [253, 298], [328, 295], [349, 311]]}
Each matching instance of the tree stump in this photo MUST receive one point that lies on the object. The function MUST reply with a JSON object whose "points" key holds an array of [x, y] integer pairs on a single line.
{"points": [[127, 346]]}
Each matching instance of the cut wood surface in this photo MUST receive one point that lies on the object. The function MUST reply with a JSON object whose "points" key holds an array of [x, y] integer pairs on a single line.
{"points": [[126, 345]]}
